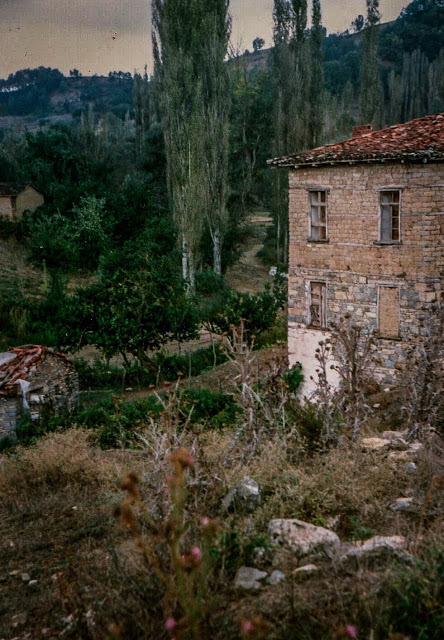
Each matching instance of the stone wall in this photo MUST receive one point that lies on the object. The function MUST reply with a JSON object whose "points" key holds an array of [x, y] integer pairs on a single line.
{"points": [[54, 388], [10, 411], [363, 277], [5, 207]]}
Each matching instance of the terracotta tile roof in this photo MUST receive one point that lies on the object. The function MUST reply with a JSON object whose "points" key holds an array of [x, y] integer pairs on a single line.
{"points": [[17, 363], [420, 140], [13, 189]]}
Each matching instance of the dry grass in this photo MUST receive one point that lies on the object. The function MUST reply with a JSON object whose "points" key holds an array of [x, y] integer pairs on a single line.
{"points": [[56, 525], [56, 462]]}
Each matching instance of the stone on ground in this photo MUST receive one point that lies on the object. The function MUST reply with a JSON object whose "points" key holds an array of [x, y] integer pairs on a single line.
{"points": [[303, 538]]}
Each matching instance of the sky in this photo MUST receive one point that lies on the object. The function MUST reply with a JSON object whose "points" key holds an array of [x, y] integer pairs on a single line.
{"points": [[98, 36]]}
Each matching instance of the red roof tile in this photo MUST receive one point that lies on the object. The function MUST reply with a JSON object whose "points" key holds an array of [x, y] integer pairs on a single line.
{"points": [[420, 140], [17, 364]]}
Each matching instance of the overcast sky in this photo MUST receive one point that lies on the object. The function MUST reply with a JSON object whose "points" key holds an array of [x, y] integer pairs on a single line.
{"points": [[97, 36]]}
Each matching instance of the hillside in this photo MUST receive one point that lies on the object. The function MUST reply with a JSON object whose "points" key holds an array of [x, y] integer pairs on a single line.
{"points": [[32, 98]]}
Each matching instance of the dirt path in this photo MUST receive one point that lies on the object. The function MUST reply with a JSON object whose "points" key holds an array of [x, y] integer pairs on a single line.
{"points": [[250, 274]]}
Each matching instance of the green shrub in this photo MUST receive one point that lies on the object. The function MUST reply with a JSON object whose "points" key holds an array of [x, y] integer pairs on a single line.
{"points": [[294, 377], [213, 408], [414, 599], [192, 363], [99, 375]]}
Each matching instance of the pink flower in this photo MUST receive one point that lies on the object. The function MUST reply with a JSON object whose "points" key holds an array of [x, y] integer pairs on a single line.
{"points": [[247, 626], [170, 623], [196, 553], [205, 521], [350, 630]]}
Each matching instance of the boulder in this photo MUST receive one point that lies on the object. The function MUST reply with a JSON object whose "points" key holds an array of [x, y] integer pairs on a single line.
{"points": [[249, 578], [377, 549], [303, 538], [404, 504], [276, 577], [305, 571], [375, 444], [246, 497]]}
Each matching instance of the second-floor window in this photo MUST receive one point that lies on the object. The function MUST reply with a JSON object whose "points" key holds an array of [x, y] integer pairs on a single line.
{"points": [[390, 219], [318, 215]]}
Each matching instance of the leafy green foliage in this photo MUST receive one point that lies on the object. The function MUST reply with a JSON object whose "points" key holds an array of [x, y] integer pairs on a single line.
{"points": [[294, 377], [257, 311], [115, 422], [213, 409], [137, 305], [414, 598], [99, 375]]}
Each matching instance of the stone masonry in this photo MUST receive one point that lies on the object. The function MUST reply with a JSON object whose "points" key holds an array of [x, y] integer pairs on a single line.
{"points": [[360, 274], [41, 380], [385, 286]]}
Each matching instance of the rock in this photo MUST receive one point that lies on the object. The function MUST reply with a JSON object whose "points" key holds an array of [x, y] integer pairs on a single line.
{"points": [[303, 538], [304, 571], [249, 578], [375, 444], [26, 577], [377, 549], [403, 504], [276, 577], [415, 448], [333, 521], [260, 556], [393, 435], [411, 453], [246, 497], [410, 467], [32, 583]]}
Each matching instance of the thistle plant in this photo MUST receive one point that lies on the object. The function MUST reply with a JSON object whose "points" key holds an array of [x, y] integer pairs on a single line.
{"points": [[178, 555]]}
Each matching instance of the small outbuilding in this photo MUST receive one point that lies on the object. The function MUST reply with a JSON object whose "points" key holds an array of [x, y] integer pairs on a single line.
{"points": [[33, 379], [16, 198]]}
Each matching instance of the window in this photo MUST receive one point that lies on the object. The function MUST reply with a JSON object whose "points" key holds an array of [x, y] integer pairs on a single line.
{"points": [[389, 206], [318, 304], [318, 215], [388, 316]]}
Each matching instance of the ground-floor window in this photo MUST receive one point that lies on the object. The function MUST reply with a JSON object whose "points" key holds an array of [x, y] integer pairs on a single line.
{"points": [[388, 312], [318, 304]]}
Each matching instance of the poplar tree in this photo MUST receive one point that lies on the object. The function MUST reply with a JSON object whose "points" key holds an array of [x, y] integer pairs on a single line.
{"points": [[190, 40], [371, 98], [297, 62], [316, 93]]}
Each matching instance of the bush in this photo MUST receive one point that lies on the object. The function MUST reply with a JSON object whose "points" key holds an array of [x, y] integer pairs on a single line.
{"points": [[212, 408], [99, 375], [294, 377], [114, 422], [414, 599], [192, 363]]}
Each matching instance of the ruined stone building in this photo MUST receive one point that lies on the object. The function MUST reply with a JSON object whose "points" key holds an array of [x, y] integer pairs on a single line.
{"points": [[366, 220], [16, 198], [34, 379]]}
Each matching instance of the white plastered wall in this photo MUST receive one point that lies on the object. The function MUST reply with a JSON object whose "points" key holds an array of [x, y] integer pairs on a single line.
{"points": [[302, 345]]}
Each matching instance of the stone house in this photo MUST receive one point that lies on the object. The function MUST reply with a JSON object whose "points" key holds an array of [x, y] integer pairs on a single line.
{"points": [[16, 198], [366, 221], [33, 379]]}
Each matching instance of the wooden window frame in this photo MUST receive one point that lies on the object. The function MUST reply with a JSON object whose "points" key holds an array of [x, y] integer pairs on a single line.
{"points": [[317, 200], [386, 210], [322, 322]]}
